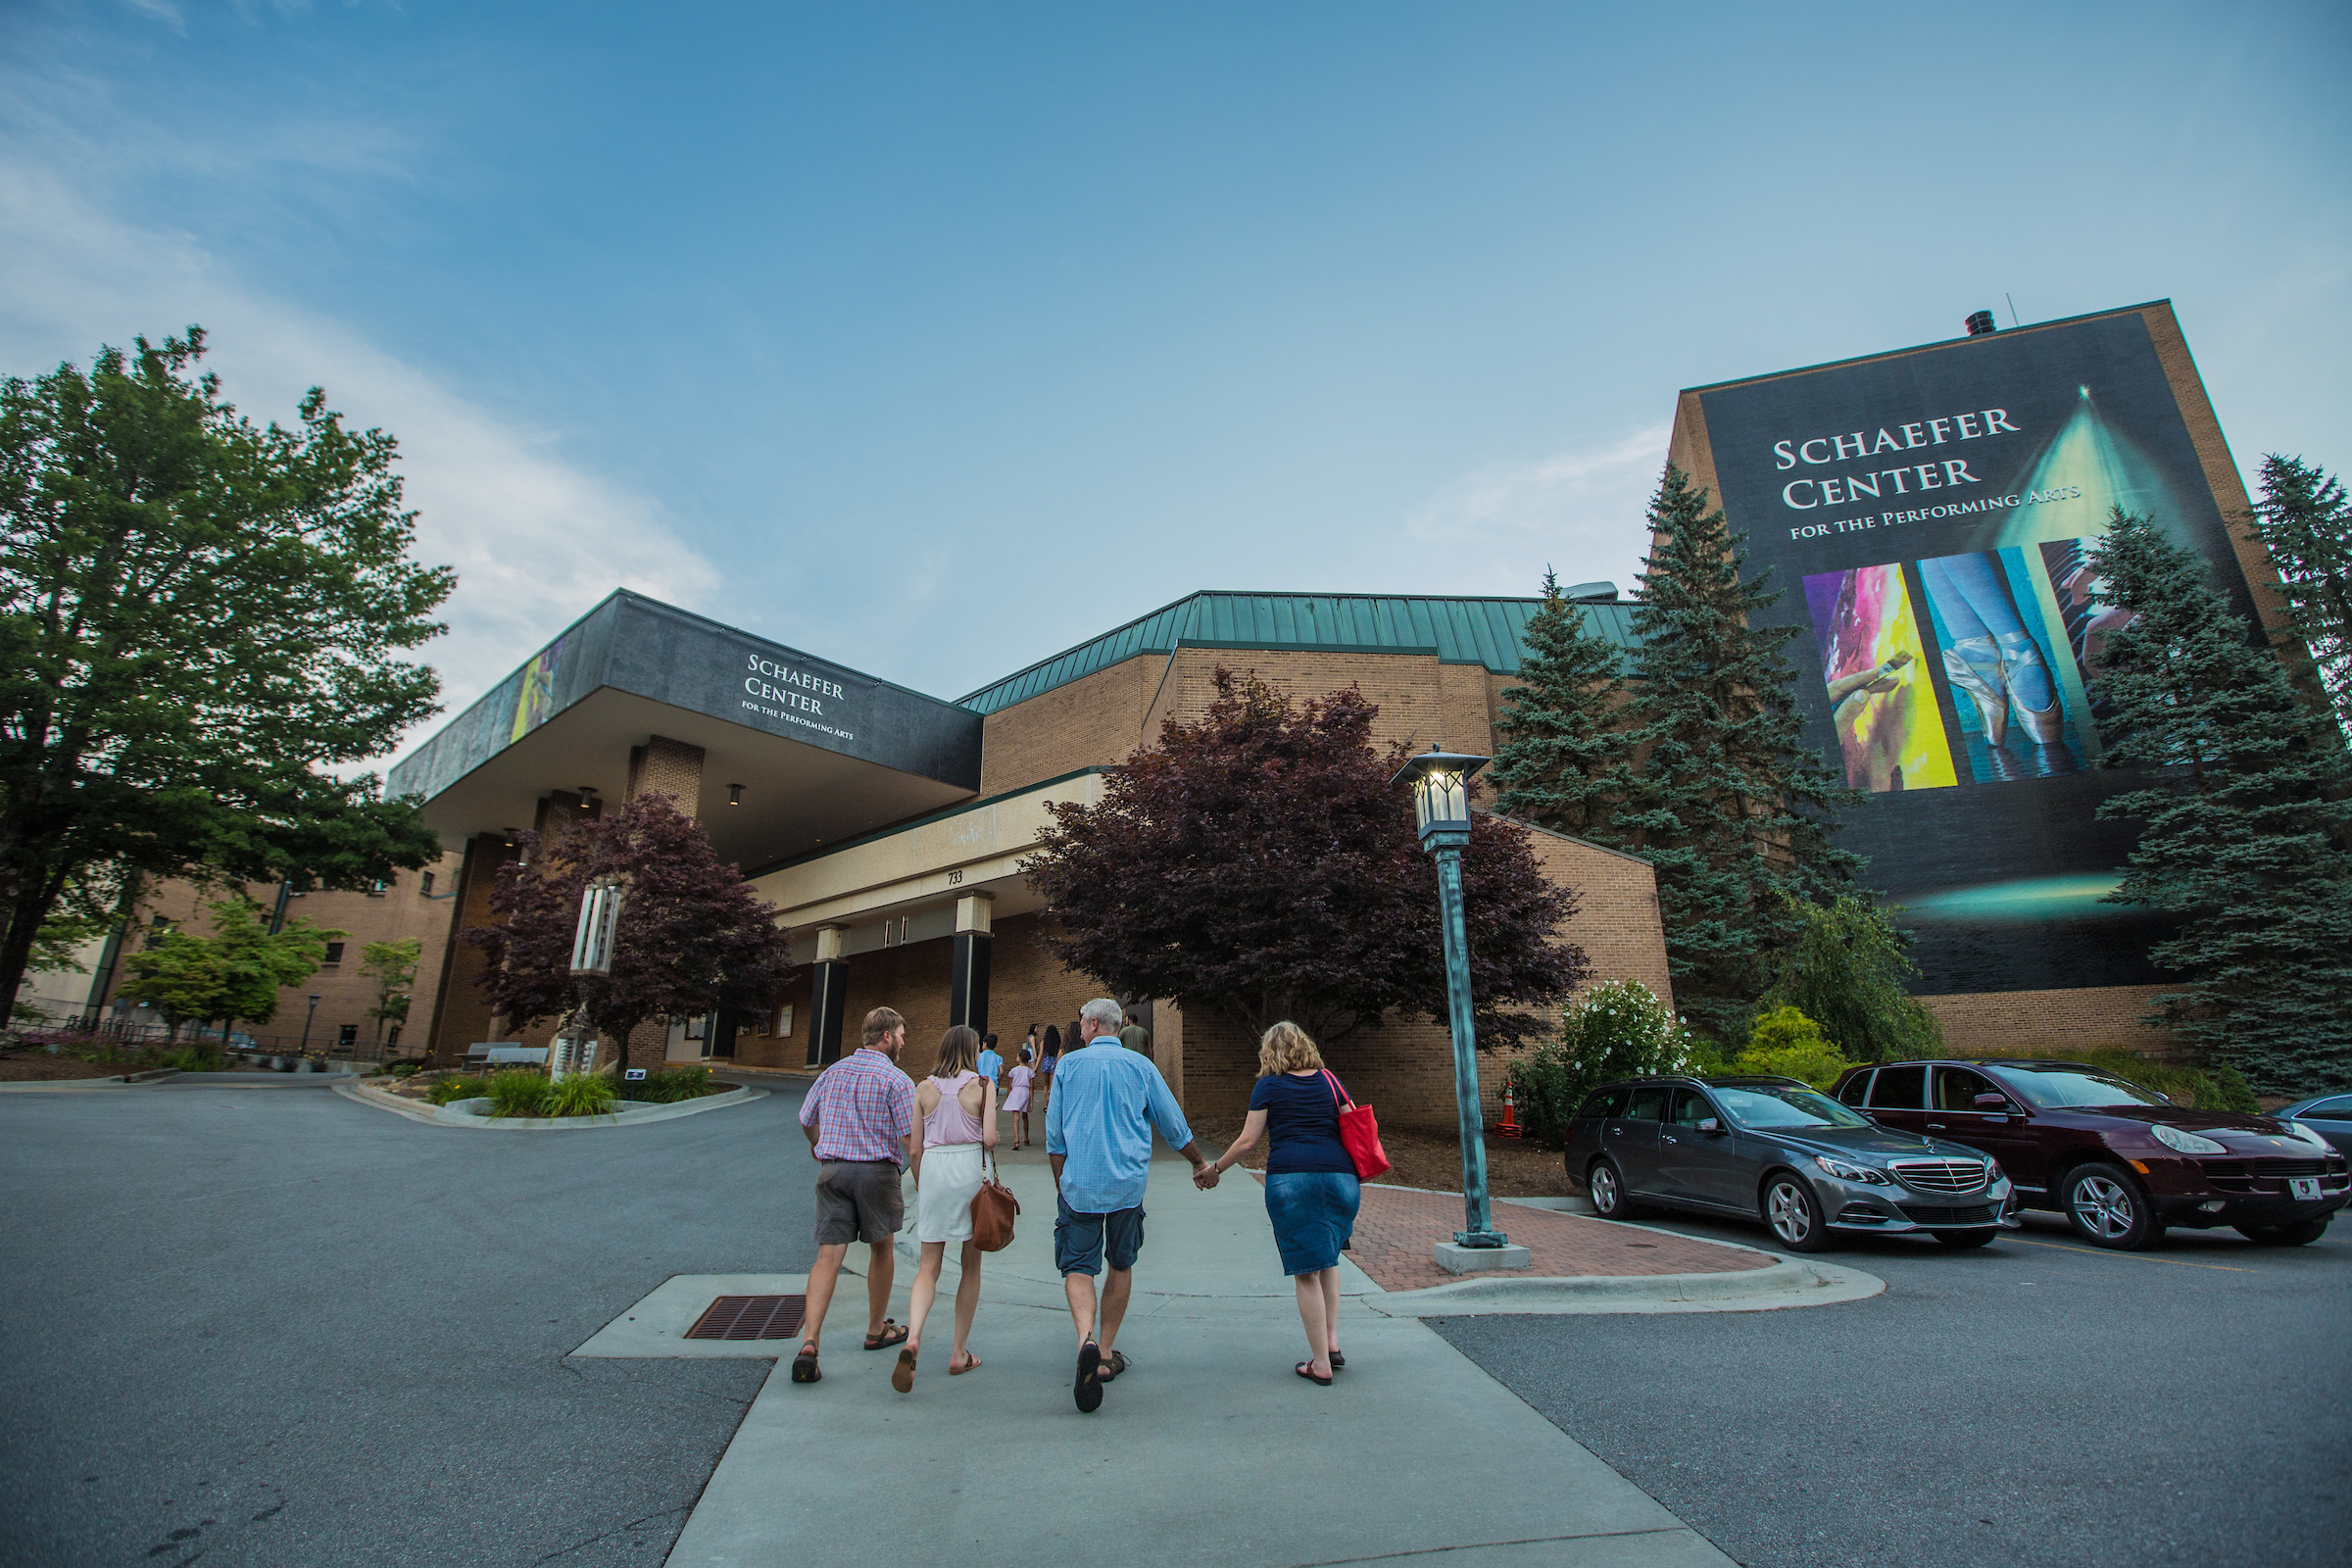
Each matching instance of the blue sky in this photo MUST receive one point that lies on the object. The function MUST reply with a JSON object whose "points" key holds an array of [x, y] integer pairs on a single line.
{"points": [[934, 339]]}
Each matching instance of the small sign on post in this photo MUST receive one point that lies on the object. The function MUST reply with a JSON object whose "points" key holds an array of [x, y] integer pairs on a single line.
{"points": [[633, 1074]]}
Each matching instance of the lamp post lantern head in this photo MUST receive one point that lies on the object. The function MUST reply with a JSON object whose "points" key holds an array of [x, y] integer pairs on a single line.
{"points": [[600, 914], [1441, 781]]}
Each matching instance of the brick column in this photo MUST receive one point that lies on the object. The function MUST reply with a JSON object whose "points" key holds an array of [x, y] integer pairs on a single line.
{"points": [[663, 766], [967, 983]]}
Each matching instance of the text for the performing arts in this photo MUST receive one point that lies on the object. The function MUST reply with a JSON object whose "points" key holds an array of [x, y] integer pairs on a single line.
{"points": [[1950, 508]]}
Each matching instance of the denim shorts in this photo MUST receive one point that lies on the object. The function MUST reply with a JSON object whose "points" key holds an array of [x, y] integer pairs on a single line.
{"points": [[1079, 1239], [1314, 1212]]}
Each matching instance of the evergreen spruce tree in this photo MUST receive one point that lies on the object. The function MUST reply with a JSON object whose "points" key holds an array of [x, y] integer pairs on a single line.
{"points": [[1563, 760], [1726, 802], [2245, 809], [2305, 523]]}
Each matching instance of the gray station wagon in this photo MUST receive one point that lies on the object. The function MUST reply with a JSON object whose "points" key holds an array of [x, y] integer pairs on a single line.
{"points": [[1775, 1149]]}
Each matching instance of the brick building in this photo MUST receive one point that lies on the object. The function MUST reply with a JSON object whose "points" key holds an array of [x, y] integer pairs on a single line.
{"points": [[888, 829]]}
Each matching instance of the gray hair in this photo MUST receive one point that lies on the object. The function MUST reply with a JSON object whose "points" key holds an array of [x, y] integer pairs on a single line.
{"points": [[1105, 1011]]}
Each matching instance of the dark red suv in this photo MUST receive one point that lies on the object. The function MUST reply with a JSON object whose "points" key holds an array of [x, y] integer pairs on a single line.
{"points": [[2120, 1163]]}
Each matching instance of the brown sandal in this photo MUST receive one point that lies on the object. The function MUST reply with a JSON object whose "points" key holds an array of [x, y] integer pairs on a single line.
{"points": [[893, 1332], [902, 1376], [971, 1363]]}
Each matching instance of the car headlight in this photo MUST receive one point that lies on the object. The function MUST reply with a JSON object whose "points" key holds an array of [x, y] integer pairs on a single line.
{"points": [[2187, 1143], [1850, 1173]]}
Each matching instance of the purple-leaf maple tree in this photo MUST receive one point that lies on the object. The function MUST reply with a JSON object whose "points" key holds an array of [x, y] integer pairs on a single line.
{"points": [[691, 936], [1259, 864]]}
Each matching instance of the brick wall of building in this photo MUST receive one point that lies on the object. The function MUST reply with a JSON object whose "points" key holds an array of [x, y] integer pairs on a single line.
{"points": [[1095, 721], [404, 910], [2039, 1023], [663, 766]]}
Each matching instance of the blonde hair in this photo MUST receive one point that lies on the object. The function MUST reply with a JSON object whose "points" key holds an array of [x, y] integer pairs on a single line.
{"points": [[1285, 1048], [959, 1051]]}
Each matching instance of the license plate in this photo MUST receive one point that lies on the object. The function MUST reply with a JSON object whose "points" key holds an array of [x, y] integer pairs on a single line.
{"points": [[2303, 1188]]}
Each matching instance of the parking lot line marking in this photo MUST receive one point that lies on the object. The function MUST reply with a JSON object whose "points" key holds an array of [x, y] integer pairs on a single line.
{"points": [[2136, 1258]]}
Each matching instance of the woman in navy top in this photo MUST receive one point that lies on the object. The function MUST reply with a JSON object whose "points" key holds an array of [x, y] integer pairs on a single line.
{"points": [[1311, 1189]]}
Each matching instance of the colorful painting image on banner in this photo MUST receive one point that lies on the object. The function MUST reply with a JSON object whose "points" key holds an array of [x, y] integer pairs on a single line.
{"points": [[535, 703], [1875, 672], [2004, 650]]}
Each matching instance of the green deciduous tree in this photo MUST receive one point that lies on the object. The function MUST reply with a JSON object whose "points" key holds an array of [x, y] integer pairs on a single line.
{"points": [[1784, 1043], [1846, 967], [2305, 522], [233, 975], [692, 935], [392, 966], [1726, 802], [1259, 864], [2244, 812], [197, 618], [1564, 754]]}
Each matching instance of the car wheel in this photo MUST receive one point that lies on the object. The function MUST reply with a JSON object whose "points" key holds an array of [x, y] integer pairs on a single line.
{"points": [[1608, 1187], [1966, 1238], [2107, 1208], [1794, 1214], [2302, 1234]]}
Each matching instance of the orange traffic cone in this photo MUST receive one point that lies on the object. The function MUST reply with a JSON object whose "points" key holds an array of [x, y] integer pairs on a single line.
{"points": [[1510, 1121]]}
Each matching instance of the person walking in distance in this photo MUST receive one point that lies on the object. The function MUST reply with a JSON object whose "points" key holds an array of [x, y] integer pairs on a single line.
{"points": [[1099, 1122], [1311, 1189], [859, 1118], [991, 1064], [959, 1109], [1135, 1037], [1016, 1099]]}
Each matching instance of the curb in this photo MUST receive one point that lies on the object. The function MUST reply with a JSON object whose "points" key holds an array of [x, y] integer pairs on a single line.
{"points": [[450, 1117], [57, 1086], [1784, 1282]]}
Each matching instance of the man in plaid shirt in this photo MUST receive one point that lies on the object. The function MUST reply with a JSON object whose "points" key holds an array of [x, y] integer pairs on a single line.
{"points": [[859, 1118]]}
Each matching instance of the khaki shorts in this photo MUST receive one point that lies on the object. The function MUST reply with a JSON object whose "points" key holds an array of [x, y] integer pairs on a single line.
{"points": [[858, 1201]]}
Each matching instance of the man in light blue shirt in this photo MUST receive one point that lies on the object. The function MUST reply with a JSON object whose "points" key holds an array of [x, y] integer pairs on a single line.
{"points": [[1106, 1099]]}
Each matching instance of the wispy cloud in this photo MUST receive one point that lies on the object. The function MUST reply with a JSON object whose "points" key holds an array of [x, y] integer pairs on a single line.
{"points": [[1580, 509], [536, 538]]}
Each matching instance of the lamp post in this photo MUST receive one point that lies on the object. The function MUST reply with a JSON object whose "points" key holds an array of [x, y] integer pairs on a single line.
{"points": [[306, 1025], [591, 962], [1441, 782]]}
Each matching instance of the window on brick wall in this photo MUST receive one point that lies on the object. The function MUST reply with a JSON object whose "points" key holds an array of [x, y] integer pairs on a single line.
{"points": [[335, 953], [424, 884]]}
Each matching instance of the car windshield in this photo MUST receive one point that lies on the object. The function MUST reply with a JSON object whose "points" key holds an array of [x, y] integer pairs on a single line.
{"points": [[1782, 1106], [2058, 1088]]}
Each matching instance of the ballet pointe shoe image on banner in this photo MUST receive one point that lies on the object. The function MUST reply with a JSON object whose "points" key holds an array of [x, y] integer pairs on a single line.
{"points": [[1974, 665], [2032, 695]]}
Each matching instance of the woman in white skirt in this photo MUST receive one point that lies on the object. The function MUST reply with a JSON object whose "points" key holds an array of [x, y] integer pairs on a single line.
{"points": [[958, 1111]]}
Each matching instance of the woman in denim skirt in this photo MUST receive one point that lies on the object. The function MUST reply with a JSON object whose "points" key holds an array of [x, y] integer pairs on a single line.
{"points": [[1311, 1191]]}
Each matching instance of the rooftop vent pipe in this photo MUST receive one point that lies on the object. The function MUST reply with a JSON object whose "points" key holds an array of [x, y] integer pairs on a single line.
{"points": [[1979, 323]]}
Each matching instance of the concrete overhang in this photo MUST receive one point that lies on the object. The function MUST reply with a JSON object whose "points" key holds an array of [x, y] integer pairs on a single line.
{"points": [[916, 872], [824, 753]]}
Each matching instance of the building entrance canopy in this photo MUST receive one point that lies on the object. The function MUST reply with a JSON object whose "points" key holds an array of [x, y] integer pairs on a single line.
{"points": [[821, 752]]}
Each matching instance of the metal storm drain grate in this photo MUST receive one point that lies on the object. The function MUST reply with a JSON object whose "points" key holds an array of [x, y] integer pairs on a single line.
{"points": [[750, 1317]]}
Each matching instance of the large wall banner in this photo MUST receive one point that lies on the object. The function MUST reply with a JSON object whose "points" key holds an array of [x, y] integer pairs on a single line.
{"points": [[1929, 517]]}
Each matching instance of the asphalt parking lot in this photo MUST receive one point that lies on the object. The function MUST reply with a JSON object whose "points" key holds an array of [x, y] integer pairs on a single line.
{"points": [[2036, 1402], [273, 1327]]}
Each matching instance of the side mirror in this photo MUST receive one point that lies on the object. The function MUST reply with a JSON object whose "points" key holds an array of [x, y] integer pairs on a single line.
{"points": [[1710, 1125], [1992, 1105]]}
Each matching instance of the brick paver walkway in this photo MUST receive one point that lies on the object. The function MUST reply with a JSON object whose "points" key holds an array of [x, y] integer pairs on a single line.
{"points": [[1397, 1230]]}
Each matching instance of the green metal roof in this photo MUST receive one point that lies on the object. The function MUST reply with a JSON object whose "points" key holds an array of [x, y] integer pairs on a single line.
{"points": [[1458, 631]]}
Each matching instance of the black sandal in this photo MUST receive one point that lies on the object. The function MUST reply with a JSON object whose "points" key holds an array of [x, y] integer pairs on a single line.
{"points": [[893, 1332], [804, 1366], [1112, 1366], [1338, 1361], [1306, 1370], [1088, 1389]]}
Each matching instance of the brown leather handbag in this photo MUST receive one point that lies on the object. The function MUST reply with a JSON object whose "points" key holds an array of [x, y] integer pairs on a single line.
{"points": [[992, 1209]]}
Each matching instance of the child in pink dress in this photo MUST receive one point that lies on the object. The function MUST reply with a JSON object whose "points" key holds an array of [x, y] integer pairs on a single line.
{"points": [[1017, 1101]]}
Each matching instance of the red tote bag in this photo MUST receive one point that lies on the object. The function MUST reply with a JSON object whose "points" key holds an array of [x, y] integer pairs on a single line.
{"points": [[1359, 1131]]}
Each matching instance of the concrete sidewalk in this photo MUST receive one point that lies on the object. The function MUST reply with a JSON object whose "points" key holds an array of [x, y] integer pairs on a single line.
{"points": [[1208, 1449]]}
